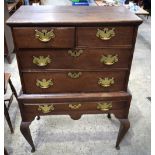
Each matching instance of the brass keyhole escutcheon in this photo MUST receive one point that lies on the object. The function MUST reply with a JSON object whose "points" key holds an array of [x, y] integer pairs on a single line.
{"points": [[74, 75], [74, 106], [75, 53]]}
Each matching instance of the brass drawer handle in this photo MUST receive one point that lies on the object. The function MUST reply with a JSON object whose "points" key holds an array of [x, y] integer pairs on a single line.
{"points": [[44, 36], [46, 108], [74, 106], [74, 75], [75, 53], [44, 83], [106, 82], [104, 106], [105, 34], [109, 59], [41, 60]]}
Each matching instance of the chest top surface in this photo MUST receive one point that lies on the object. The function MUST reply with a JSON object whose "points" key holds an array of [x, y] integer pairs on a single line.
{"points": [[69, 15]]}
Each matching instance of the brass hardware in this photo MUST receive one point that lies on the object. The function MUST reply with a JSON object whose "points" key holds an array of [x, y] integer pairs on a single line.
{"points": [[46, 108], [109, 59], [44, 83], [106, 82], [104, 106], [105, 34], [44, 36], [74, 106], [74, 75], [41, 60], [75, 53]]}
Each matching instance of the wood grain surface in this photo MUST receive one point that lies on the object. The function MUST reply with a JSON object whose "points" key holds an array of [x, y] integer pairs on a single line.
{"points": [[89, 59], [69, 15]]}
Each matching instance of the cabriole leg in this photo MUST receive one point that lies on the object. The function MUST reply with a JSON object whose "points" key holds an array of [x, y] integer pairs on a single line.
{"points": [[124, 126], [25, 130]]}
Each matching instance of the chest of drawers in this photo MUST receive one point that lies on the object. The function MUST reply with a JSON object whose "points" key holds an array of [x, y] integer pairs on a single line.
{"points": [[74, 61]]}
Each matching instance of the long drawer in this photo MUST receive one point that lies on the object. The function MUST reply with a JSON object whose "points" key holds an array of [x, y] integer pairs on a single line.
{"points": [[105, 36], [44, 37], [50, 108], [74, 81], [74, 58], [102, 106]]}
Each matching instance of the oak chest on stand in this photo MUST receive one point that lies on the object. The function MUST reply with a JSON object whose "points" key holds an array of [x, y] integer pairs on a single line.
{"points": [[74, 61]]}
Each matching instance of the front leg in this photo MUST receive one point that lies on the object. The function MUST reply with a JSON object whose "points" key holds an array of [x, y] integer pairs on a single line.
{"points": [[124, 126], [109, 115], [38, 117], [25, 130]]}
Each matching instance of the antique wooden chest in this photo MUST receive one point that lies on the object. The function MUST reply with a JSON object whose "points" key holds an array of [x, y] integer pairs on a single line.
{"points": [[74, 60]]}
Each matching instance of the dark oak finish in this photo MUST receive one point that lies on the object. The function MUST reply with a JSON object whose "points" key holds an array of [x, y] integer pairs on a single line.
{"points": [[75, 30], [86, 36], [25, 130], [124, 126], [62, 83], [61, 59], [68, 15], [30, 103], [70, 97], [64, 37], [85, 106]]}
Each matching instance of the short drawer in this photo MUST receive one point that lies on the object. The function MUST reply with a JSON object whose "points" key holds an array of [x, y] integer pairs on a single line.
{"points": [[73, 81], [105, 36], [44, 37], [98, 107], [74, 58]]}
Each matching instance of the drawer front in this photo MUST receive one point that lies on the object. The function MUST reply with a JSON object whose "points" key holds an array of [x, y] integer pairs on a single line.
{"points": [[105, 36], [99, 107], [73, 81], [74, 59], [44, 37]]}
